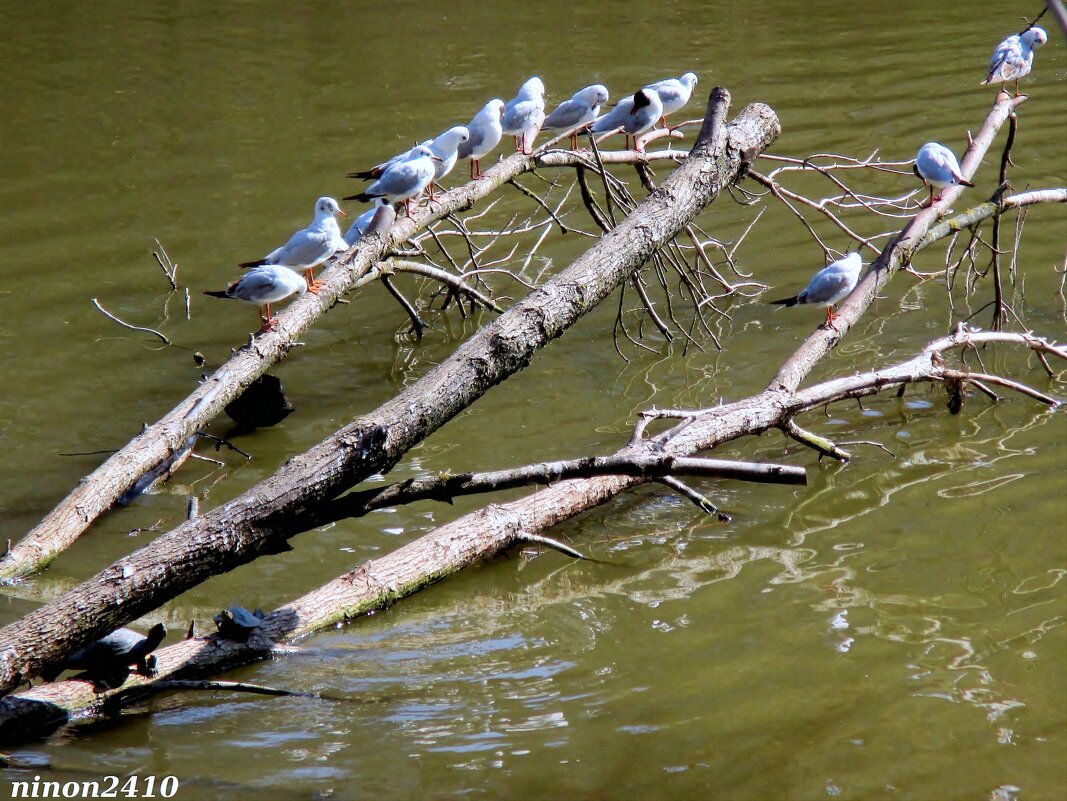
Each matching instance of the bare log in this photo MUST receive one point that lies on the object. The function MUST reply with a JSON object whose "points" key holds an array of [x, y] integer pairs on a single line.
{"points": [[475, 536], [261, 520]]}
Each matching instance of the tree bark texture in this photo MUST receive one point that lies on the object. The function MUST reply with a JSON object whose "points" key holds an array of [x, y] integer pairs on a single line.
{"points": [[261, 520], [380, 582]]}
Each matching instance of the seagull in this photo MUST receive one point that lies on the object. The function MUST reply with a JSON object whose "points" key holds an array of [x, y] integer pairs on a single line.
{"points": [[936, 165], [581, 109], [634, 115], [311, 246], [403, 180], [485, 133], [263, 286], [444, 146], [830, 285], [1014, 56], [674, 93], [524, 114]]}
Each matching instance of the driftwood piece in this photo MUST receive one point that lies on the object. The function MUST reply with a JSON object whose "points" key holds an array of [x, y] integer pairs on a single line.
{"points": [[260, 521], [475, 536]]}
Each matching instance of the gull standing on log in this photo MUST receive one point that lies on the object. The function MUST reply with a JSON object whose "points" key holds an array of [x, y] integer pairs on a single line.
{"points": [[936, 165], [1014, 57], [581, 109], [831, 284], [485, 133], [524, 114], [264, 286], [633, 115], [674, 93], [444, 146], [311, 246], [404, 180]]}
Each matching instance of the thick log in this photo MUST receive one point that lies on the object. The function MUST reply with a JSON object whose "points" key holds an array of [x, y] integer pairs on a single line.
{"points": [[260, 521], [479, 535]]}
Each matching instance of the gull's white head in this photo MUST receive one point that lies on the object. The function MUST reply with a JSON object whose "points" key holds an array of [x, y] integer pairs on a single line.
{"points": [[1035, 37], [453, 136], [495, 105], [533, 88], [853, 261], [423, 152], [689, 79], [596, 94], [327, 206]]}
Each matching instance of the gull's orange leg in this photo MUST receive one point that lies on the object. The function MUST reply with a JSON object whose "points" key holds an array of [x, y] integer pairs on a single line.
{"points": [[830, 317], [313, 284], [268, 323]]}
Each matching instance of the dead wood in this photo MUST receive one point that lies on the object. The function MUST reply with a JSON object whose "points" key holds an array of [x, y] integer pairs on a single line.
{"points": [[381, 582], [362, 265], [262, 520]]}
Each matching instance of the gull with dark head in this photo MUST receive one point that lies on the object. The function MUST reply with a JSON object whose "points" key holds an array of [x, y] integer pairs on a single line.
{"points": [[524, 114], [311, 246], [581, 109], [936, 165], [485, 133], [632, 115], [831, 284]]}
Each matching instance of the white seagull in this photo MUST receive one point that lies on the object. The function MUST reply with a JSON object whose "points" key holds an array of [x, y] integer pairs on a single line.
{"points": [[404, 180], [581, 109], [1014, 56], [264, 286], [524, 114], [485, 133], [831, 284], [674, 93], [444, 146], [936, 165], [311, 246], [633, 115]]}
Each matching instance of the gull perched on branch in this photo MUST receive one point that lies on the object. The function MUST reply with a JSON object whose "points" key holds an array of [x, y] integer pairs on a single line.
{"points": [[831, 284], [633, 115], [674, 93], [581, 109], [445, 146], [936, 165], [311, 246], [264, 286], [404, 180], [524, 114], [1014, 57], [485, 133]]}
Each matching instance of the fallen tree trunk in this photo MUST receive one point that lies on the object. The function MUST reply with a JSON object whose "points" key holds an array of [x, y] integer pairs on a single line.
{"points": [[157, 445], [262, 520], [473, 537], [481, 534]]}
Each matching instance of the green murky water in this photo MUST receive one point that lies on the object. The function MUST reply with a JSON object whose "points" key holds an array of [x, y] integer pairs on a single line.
{"points": [[893, 630]]}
